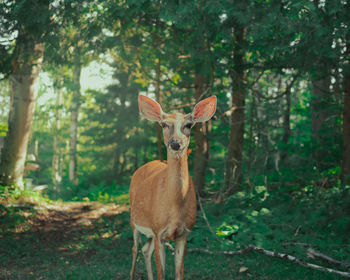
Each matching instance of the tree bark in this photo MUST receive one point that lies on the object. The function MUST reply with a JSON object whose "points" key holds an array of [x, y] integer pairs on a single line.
{"points": [[73, 162], [200, 132], [286, 126], [159, 99], [233, 176], [286, 121], [251, 138], [23, 97], [320, 114], [116, 163], [345, 174], [57, 151]]}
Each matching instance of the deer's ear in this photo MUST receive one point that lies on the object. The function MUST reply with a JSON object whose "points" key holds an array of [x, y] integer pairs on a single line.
{"points": [[150, 109], [204, 110]]}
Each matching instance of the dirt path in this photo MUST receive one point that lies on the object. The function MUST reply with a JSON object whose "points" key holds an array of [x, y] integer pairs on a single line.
{"points": [[64, 237], [73, 215], [59, 221]]}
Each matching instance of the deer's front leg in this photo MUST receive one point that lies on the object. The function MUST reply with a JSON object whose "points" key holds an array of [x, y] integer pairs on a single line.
{"points": [[136, 235], [180, 250], [159, 253], [147, 251]]}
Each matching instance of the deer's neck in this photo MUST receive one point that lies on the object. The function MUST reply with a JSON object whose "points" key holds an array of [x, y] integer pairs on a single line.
{"points": [[178, 177]]}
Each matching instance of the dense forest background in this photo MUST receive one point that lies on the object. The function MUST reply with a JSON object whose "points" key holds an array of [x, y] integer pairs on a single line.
{"points": [[275, 159]]}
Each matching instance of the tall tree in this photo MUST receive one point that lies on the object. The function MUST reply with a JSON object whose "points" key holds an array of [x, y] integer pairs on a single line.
{"points": [[233, 177], [75, 105], [345, 173], [287, 131], [159, 99], [346, 130], [26, 64], [320, 115], [79, 40], [57, 164], [201, 156]]}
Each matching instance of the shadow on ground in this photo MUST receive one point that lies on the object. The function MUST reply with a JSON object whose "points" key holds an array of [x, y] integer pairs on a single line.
{"points": [[89, 240], [66, 241]]}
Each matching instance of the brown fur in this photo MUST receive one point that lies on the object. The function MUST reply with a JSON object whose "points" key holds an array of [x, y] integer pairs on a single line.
{"points": [[162, 198], [162, 194], [157, 196]]}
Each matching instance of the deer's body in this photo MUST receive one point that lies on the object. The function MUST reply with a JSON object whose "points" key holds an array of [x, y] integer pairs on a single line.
{"points": [[154, 187], [162, 195]]}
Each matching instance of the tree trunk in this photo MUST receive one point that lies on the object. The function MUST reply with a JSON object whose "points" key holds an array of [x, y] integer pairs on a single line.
{"points": [[345, 175], [233, 176], [23, 97], [116, 163], [200, 132], [74, 122], [57, 151], [159, 99], [286, 125], [251, 138], [320, 114]]}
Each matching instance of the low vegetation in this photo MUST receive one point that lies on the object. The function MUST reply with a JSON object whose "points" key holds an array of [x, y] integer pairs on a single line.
{"points": [[46, 239]]}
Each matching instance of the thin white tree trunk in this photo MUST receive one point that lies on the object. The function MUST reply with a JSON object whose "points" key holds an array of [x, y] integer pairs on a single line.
{"points": [[56, 160], [73, 162]]}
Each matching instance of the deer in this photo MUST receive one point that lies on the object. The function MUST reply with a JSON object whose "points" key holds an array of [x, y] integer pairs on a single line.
{"points": [[162, 194]]}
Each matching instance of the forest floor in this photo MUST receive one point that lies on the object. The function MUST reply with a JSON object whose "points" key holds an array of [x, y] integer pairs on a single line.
{"points": [[91, 240], [65, 240]]}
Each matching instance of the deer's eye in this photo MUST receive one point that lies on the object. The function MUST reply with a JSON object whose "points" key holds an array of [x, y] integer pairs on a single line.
{"points": [[188, 126], [164, 125]]}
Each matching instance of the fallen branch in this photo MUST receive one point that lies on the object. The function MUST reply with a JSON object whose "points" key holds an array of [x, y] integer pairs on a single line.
{"points": [[312, 253], [315, 254], [302, 244], [297, 231], [231, 253], [274, 255]]}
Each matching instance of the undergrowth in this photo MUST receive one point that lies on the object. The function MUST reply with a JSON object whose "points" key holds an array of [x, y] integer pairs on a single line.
{"points": [[286, 221], [283, 220]]}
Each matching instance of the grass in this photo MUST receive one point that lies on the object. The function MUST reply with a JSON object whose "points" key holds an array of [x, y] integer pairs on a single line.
{"points": [[42, 239]]}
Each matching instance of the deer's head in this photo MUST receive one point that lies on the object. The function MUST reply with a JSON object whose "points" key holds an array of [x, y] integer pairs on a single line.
{"points": [[177, 126]]}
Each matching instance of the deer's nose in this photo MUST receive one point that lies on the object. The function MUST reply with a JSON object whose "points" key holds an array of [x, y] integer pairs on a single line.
{"points": [[174, 145]]}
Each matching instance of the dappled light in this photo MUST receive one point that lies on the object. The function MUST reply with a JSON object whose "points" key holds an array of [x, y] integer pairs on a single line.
{"points": [[217, 132]]}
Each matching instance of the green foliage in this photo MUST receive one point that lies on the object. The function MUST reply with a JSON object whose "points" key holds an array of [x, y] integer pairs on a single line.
{"points": [[284, 42], [274, 219], [16, 206], [100, 247], [16, 193], [4, 104], [3, 129], [102, 193], [12, 218], [291, 192]]}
